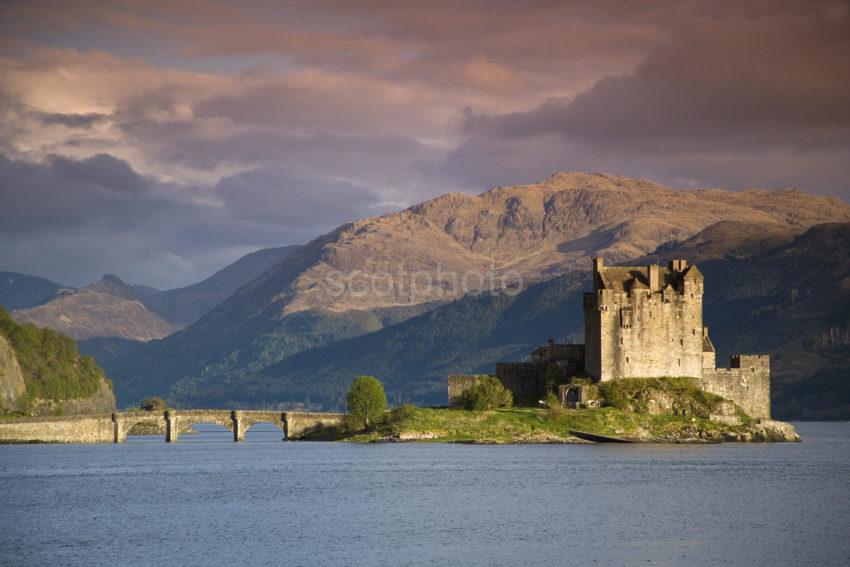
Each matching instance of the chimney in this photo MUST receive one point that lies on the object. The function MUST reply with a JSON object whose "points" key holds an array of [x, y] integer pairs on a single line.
{"points": [[654, 280], [678, 265]]}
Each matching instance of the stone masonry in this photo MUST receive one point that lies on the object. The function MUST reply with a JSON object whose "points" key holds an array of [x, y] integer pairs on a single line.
{"points": [[640, 322], [115, 427]]}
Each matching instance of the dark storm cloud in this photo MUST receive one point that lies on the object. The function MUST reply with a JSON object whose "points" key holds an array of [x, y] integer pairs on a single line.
{"points": [[63, 193], [73, 219], [72, 120], [274, 196], [721, 102]]}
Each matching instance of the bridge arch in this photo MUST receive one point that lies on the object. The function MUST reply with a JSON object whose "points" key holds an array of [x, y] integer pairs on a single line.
{"points": [[293, 424]]}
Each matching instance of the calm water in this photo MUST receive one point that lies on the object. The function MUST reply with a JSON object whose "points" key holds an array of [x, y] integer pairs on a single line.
{"points": [[207, 500]]}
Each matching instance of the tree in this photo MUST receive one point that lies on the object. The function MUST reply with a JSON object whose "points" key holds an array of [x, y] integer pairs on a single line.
{"points": [[488, 393], [366, 400]]}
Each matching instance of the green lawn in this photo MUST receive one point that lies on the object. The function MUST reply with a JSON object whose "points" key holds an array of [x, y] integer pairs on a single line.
{"points": [[531, 425]]}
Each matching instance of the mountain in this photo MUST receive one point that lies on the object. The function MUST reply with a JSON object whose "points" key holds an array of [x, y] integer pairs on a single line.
{"points": [[186, 305], [42, 373], [791, 300], [527, 232], [107, 308], [372, 274], [113, 310], [19, 291]]}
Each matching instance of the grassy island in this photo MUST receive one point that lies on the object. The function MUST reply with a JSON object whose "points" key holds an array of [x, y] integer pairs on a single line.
{"points": [[662, 410], [533, 425]]}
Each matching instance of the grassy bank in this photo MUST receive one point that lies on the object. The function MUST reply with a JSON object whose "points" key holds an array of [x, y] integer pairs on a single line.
{"points": [[532, 425]]}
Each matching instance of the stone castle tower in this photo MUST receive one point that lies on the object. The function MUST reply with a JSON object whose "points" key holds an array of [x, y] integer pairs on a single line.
{"points": [[639, 322], [645, 322]]}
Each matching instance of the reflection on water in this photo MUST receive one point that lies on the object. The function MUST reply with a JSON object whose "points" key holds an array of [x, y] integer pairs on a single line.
{"points": [[212, 433], [208, 500]]}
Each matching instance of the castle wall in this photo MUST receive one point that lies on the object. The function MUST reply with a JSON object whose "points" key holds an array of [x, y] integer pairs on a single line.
{"points": [[592, 332], [645, 335], [525, 380], [458, 384], [746, 382]]}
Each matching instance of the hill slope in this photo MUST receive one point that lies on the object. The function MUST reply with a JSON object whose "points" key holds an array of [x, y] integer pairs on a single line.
{"points": [[111, 309], [186, 305], [357, 279], [41, 372], [791, 300], [107, 308]]}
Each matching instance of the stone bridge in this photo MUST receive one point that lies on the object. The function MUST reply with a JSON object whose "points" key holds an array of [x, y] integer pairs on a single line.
{"points": [[114, 428]]}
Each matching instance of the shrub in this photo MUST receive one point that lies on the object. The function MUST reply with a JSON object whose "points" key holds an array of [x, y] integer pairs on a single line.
{"points": [[154, 403], [366, 400], [554, 409], [488, 394]]}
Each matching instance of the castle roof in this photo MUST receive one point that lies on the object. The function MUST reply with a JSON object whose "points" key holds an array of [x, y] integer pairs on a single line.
{"points": [[626, 278]]}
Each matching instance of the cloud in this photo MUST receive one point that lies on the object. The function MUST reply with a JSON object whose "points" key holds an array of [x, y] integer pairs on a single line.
{"points": [[158, 139], [733, 100], [76, 219]]}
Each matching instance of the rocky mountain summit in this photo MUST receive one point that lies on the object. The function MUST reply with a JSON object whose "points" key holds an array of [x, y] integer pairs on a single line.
{"points": [[510, 235]]}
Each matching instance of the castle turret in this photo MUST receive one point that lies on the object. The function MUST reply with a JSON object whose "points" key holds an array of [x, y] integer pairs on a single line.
{"points": [[654, 278]]}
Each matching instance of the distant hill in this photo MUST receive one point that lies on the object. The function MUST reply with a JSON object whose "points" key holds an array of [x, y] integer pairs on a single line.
{"points": [[107, 308], [19, 291], [112, 309], [533, 232], [186, 305], [42, 372]]}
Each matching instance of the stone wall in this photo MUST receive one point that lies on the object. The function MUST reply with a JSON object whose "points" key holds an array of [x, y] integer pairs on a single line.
{"points": [[458, 384], [114, 428], [746, 382], [54, 430], [647, 335], [299, 423], [102, 402], [527, 380]]}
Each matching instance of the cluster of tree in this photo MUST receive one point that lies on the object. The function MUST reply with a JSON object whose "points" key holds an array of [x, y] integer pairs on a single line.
{"points": [[50, 362]]}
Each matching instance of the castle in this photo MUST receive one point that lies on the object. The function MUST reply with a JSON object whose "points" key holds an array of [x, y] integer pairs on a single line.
{"points": [[639, 322]]}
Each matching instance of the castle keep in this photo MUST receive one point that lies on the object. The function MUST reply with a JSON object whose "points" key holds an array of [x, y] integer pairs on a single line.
{"points": [[639, 322]]}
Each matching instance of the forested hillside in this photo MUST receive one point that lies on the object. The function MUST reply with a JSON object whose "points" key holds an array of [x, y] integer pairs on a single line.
{"points": [[50, 367]]}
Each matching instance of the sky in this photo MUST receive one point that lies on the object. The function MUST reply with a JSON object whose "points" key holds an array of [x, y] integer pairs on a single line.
{"points": [[161, 140]]}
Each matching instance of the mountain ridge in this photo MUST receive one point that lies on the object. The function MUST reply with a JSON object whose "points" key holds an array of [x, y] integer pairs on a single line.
{"points": [[287, 309]]}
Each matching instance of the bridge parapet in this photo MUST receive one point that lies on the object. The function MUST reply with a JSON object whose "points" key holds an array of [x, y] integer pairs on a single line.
{"points": [[114, 428], [299, 423]]}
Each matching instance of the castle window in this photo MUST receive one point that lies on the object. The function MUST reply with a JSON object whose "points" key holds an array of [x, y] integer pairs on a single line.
{"points": [[627, 359], [679, 361], [681, 341], [694, 332]]}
